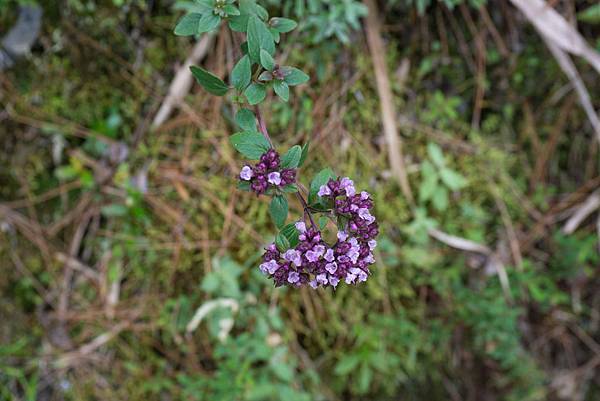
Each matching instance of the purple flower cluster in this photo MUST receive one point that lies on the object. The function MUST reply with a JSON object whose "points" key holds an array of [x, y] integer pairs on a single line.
{"points": [[314, 262], [356, 207], [267, 173]]}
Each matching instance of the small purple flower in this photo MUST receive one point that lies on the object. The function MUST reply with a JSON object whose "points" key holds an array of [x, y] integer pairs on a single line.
{"points": [[313, 284], [364, 213], [269, 267], [314, 254], [362, 276], [369, 259], [322, 279], [348, 185], [329, 255], [292, 255], [331, 267], [333, 280], [342, 235], [324, 190], [246, 174], [274, 178], [353, 254], [350, 277], [293, 277], [301, 226], [372, 244], [364, 195]]}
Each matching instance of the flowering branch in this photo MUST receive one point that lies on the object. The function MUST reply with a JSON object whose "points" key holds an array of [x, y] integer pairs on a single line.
{"points": [[262, 126], [299, 254]]}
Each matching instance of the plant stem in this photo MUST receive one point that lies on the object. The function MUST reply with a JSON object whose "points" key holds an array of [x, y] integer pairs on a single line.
{"points": [[262, 126], [306, 209]]}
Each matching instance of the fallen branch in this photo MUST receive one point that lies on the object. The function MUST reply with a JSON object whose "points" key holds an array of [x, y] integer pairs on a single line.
{"points": [[182, 83], [71, 358], [588, 207], [493, 262]]}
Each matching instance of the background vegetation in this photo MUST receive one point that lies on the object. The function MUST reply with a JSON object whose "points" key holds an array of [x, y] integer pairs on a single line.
{"points": [[114, 233]]}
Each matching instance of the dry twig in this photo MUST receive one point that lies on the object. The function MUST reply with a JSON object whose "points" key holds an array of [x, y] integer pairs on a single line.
{"points": [[182, 83]]}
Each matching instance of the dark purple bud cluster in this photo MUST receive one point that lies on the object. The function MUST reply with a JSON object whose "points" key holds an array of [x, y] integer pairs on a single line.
{"points": [[314, 262], [267, 173]]}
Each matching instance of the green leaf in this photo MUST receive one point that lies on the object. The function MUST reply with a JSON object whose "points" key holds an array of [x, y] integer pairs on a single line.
{"points": [[283, 25], [292, 157], [304, 154], [429, 182], [259, 37], [346, 364], [188, 25], [231, 10], [246, 120], [265, 76], [241, 74], [266, 60], [440, 199], [261, 12], [282, 243], [294, 76], [452, 179], [208, 22], [250, 144], [435, 154], [290, 189], [275, 34], [243, 186], [279, 210], [365, 376], [255, 93], [282, 90], [239, 23], [254, 39], [427, 188], [323, 222], [209, 82], [590, 14], [290, 232], [206, 6], [320, 179]]}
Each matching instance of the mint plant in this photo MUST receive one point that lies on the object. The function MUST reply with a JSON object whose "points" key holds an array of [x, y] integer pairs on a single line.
{"points": [[300, 255]]}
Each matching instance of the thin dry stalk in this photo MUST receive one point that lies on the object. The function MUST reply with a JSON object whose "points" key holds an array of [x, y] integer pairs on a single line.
{"points": [[394, 142], [555, 29], [569, 69]]}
